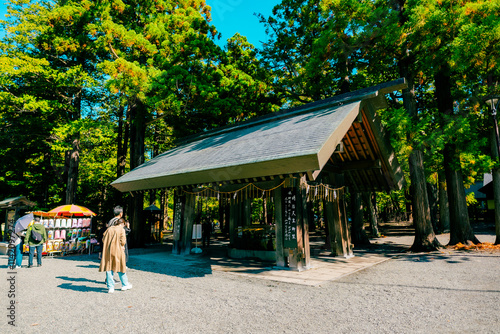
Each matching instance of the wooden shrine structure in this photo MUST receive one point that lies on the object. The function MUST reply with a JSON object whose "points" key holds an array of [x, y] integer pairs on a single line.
{"points": [[14, 207], [313, 151]]}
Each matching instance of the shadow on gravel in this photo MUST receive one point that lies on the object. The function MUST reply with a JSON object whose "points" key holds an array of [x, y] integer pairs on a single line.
{"points": [[82, 288], [407, 286], [89, 266], [78, 279], [456, 257], [172, 265]]}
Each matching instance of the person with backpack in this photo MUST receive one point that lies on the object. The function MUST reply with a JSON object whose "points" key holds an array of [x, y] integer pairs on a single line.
{"points": [[36, 236]]}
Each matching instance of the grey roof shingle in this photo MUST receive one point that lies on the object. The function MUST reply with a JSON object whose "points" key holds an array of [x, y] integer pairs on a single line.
{"points": [[294, 141]]}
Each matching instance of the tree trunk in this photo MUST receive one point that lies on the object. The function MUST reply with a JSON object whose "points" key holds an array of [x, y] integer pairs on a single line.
{"points": [[367, 197], [137, 134], [444, 209], [122, 139], [496, 184], [358, 233], [425, 239], [460, 229], [424, 235], [433, 202], [72, 183]]}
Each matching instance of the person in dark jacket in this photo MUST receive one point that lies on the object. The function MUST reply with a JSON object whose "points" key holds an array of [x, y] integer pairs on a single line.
{"points": [[207, 229], [34, 243]]}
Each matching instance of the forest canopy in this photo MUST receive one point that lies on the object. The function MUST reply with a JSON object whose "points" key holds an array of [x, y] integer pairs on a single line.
{"points": [[91, 89]]}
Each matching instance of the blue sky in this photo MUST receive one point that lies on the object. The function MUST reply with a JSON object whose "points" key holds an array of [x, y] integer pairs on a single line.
{"points": [[232, 16], [229, 17]]}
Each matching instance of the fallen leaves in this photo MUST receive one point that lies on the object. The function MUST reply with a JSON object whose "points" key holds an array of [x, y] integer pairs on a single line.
{"points": [[485, 246]]}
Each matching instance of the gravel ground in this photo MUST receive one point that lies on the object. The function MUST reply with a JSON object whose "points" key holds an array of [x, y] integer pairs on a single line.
{"points": [[441, 292]]}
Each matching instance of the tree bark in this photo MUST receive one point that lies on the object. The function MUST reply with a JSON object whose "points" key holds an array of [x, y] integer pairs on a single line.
{"points": [[496, 185], [122, 139], [358, 233], [460, 229], [433, 202], [72, 183], [425, 239], [367, 197], [137, 136], [444, 209]]}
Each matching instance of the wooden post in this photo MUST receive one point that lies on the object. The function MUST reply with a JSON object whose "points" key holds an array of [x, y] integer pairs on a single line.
{"points": [[297, 257], [246, 211], [346, 236], [178, 222], [233, 221], [296, 226], [189, 216], [336, 220], [304, 226], [278, 216], [333, 221]]}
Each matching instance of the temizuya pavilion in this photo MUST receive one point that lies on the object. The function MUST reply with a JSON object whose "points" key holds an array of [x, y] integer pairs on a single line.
{"points": [[293, 156]]}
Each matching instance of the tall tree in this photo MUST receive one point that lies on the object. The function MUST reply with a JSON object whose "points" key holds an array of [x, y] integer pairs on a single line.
{"points": [[344, 45], [480, 64], [425, 238], [436, 28]]}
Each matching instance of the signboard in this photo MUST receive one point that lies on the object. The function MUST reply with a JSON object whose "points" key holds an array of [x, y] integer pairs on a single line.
{"points": [[178, 216], [197, 231], [289, 218]]}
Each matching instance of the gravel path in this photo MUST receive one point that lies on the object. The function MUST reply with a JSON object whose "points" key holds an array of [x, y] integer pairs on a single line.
{"points": [[441, 292]]}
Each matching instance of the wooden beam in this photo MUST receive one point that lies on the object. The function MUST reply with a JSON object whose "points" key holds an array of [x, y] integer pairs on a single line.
{"points": [[352, 166]]}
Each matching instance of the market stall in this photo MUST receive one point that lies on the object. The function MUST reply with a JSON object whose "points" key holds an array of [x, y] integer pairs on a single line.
{"points": [[68, 230]]}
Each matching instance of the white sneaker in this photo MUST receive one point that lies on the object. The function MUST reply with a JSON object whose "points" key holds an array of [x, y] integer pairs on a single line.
{"points": [[111, 290], [17, 267], [127, 287]]}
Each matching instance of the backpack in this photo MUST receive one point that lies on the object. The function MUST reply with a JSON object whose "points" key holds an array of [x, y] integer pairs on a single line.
{"points": [[36, 236]]}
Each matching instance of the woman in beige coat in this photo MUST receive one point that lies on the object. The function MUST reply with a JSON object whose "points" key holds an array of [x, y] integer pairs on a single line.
{"points": [[113, 256]]}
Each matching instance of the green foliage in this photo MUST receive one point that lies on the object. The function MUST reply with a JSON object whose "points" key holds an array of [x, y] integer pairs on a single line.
{"points": [[75, 70], [72, 70]]}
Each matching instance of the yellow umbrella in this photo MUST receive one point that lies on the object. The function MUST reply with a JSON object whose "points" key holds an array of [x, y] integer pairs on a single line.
{"points": [[71, 210]]}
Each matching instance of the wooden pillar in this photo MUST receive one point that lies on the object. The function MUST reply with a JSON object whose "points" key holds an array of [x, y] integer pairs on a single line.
{"points": [[295, 226], [189, 217], [246, 212], [303, 226], [358, 232], [278, 218], [336, 219], [346, 236], [137, 222], [222, 223], [233, 221], [178, 222]]}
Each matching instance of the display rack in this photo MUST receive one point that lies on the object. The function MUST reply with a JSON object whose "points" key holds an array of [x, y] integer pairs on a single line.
{"points": [[66, 235]]}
